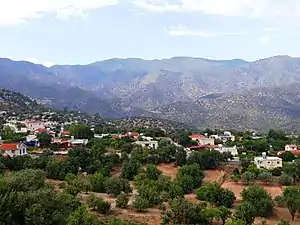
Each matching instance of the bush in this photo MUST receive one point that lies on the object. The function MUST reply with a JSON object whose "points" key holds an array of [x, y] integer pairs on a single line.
{"points": [[215, 194], [122, 201], [286, 180], [248, 177], [236, 171], [277, 171], [99, 205], [265, 176], [140, 204]]}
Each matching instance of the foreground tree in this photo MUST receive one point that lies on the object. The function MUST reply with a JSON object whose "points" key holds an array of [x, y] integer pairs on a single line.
{"points": [[245, 212], [215, 194], [291, 198], [260, 199], [189, 177]]}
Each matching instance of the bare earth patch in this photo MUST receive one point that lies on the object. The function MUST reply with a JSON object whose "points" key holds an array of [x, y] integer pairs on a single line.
{"points": [[168, 170], [213, 176], [237, 188]]}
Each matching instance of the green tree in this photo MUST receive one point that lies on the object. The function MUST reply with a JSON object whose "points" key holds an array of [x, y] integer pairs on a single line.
{"points": [[291, 198], [140, 204], [130, 169], [287, 156], [122, 201], [215, 194], [189, 177], [206, 159], [286, 180], [265, 176], [81, 131], [260, 199], [97, 181], [248, 177], [44, 139], [181, 157], [224, 214], [283, 222], [245, 212], [114, 186], [235, 222], [82, 217], [98, 204], [152, 172]]}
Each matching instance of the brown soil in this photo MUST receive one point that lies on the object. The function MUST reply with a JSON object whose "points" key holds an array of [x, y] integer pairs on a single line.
{"points": [[237, 188], [168, 170], [214, 176]]}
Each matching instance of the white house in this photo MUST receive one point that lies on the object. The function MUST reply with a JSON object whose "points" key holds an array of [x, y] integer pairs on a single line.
{"points": [[267, 162], [226, 136], [291, 147], [13, 149], [148, 144], [202, 140], [33, 125], [233, 150]]}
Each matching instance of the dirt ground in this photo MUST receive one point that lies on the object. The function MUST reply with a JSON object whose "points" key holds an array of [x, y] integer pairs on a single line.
{"points": [[237, 188], [213, 176], [168, 170]]}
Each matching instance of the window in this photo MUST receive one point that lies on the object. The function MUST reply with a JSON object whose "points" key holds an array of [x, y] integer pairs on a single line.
{"points": [[23, 150], [278, 162], [13, 151]]}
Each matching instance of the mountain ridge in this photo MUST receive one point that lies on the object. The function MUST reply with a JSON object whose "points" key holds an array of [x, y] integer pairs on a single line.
{"points": [[210, 89]]}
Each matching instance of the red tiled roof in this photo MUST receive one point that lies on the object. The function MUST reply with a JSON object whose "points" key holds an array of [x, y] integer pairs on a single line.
{"points": [[212, 146], [41, 130], [196, 136], [294, 152], [133, 134], [8, 147], [65, 132]]}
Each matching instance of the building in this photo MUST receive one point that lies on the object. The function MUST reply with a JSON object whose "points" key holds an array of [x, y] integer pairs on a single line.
{"points": [[291, 147], [267, 162], [33, 125], [233, 150], [226, 136], [148, 144], [202, 140], [13, 150]]}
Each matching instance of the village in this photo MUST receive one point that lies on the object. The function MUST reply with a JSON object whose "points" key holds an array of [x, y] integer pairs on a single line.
{"points": [[232, 161]]}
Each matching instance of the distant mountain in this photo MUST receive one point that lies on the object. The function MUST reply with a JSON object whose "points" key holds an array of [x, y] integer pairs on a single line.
{"points": [[207, 93]]}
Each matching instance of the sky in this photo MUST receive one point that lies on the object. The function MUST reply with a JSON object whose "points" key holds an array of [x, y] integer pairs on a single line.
{"points": [[84, 31]]}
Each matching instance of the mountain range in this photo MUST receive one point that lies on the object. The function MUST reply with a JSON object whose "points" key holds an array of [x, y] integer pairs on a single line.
{"points": [[227, 94]]}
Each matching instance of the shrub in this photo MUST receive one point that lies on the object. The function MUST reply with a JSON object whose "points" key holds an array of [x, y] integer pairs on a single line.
{"points": [[286, 180], [265, 176], [248, 177], [236, 171], [140, 204], [99, 205], [122, 201], [277, 171]]}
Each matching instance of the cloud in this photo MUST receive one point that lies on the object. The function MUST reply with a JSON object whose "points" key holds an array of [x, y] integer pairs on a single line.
{"points": [[181, 31], [20, 11], [246, 8]]}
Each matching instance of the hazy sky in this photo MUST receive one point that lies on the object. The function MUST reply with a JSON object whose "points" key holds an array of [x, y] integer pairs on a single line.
{"points": [[83, 31]]}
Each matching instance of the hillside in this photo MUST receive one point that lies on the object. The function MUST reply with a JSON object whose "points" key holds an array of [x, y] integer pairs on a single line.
{"points": [[205, 93]]}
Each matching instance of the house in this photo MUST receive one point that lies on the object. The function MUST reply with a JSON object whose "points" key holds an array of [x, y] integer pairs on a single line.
{"points": [[202, 140], [134, 135], [13, 149], [233, 150], [148, 144], [33, 125], [226, 136], [291, 147], [267, 162]]}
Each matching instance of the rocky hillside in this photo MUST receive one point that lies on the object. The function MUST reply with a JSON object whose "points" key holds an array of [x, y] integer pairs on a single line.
{"points": [[206, 93]]}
